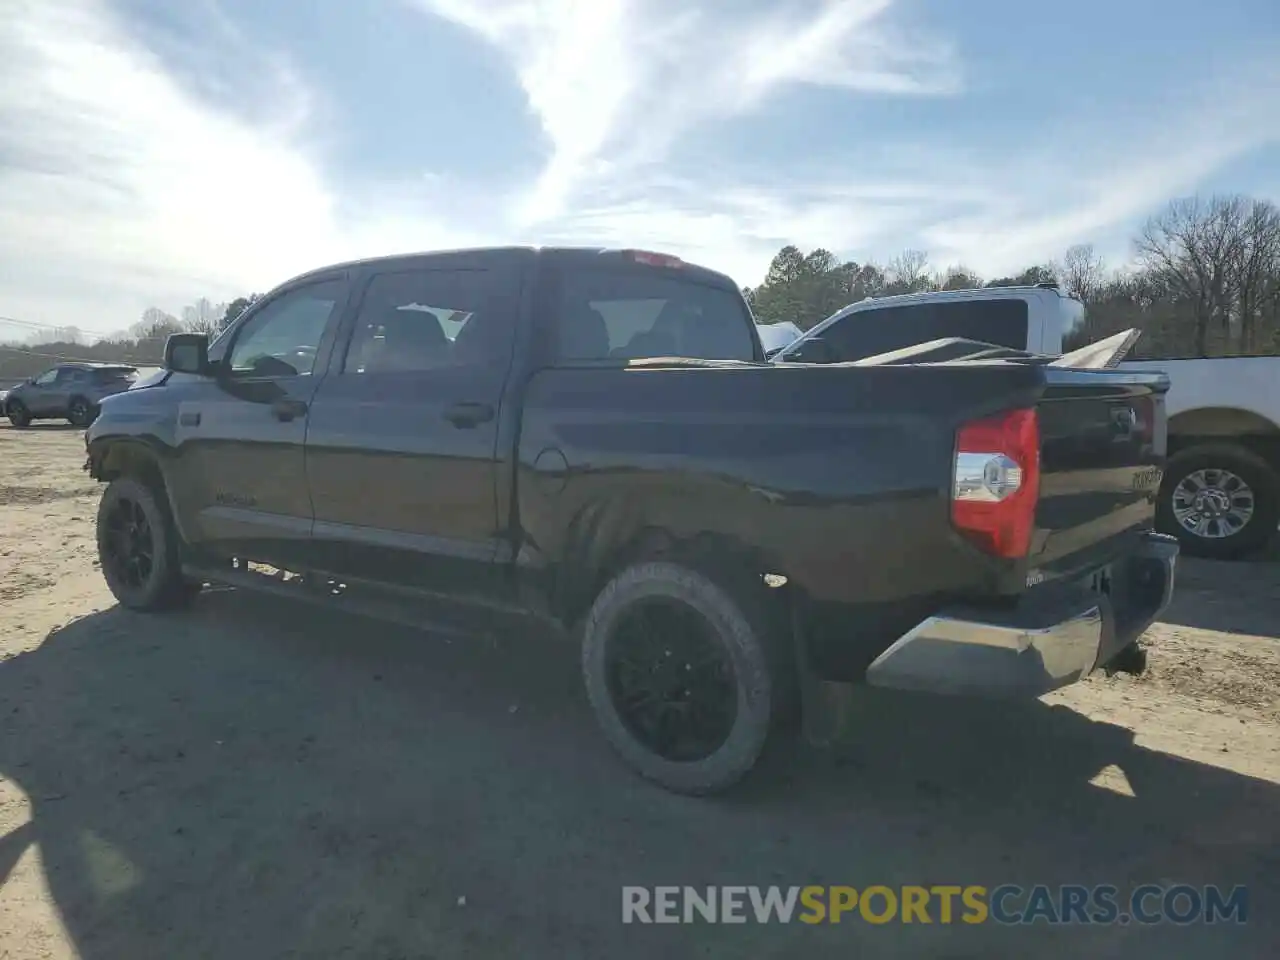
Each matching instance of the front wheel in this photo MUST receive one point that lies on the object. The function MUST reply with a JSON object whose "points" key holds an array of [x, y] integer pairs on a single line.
{"points": [[1221, 501], [138, 548], [18, 413], [679, 672]]}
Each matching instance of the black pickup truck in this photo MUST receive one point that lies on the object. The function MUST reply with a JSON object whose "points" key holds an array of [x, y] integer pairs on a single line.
{"points": [[593, 439]]}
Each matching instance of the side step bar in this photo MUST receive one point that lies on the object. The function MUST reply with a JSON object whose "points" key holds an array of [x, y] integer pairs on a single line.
{"points": [[418, 610]]}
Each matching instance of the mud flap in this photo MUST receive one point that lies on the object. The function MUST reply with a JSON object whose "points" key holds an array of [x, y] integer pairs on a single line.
{"points": [[826, 706]]}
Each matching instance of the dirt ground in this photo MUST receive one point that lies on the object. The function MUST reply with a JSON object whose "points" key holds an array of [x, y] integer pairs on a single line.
{"points": [[254, 779]]}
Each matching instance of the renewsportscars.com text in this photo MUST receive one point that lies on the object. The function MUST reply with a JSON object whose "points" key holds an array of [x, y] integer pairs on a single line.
{"points": [[939, 903]]}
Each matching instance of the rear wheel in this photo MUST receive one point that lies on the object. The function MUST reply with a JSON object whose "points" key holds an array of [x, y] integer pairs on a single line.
{"points": [[138, 548], [680, 673], [80, 412], [18, 413], [1221, 501]]}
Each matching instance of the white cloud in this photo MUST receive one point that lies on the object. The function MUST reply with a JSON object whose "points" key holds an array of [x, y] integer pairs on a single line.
{"points": [[616, 82], [995, 210], [121, 188], [118, 189], [1098, 175]]}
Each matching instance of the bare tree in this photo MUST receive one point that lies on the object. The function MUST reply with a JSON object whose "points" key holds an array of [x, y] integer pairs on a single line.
{"points": [[67, 335], [908, 272], [1255, 271], [1082, 272], [155, 325], [1195, 248], [203, 316]]}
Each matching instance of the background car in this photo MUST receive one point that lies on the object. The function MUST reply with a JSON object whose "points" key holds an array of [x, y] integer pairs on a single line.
{"points": [[70, 391]]}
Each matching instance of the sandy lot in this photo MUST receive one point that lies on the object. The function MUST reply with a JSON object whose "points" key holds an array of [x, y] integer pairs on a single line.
{"points": [[254, 779]]}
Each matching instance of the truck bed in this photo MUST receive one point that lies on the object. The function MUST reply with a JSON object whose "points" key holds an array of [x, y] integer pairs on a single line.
{"points": [[837, 476]]}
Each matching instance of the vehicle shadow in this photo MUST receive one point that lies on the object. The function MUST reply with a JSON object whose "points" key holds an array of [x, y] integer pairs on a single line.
{"points": [[41, 426], [1210, 594], [259, 779]]}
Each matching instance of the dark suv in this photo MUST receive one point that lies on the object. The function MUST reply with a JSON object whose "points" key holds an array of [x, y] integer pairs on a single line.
{"points": [[70, 391]]}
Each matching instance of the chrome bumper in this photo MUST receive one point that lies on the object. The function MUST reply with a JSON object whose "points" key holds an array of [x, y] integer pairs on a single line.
{"points": [[1038, 647]]}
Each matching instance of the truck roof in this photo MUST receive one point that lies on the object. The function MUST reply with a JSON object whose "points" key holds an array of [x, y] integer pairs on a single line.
{"points": [[481, 256], [967, 293]]}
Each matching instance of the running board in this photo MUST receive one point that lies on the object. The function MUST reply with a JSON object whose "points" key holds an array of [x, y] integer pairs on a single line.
{"points": [[402, 606]]}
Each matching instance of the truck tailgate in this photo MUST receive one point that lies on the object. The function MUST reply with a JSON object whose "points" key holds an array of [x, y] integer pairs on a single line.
{"points": [[1103, 437]]}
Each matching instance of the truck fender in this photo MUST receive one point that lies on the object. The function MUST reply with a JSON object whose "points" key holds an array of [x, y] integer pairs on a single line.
{"points": [[143, 456]]}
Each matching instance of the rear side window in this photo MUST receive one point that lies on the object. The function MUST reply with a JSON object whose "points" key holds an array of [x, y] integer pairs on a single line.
{"points": [[870, 332], [113, 376], [629, 314]]}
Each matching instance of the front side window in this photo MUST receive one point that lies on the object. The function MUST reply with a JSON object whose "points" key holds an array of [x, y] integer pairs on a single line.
{"points": [[420, 320], [282, 338], [605, 313], [47, 378]]}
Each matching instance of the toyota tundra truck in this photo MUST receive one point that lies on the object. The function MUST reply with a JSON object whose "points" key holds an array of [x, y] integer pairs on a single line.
{"points": [[593, 439]]}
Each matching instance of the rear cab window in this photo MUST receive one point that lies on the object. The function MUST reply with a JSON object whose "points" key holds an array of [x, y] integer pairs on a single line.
{"points": [[614, 309]]}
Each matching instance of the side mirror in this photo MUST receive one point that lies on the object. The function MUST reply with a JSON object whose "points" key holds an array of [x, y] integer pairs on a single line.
{"points": [[813, 350], [772, 352], [187, 353]]}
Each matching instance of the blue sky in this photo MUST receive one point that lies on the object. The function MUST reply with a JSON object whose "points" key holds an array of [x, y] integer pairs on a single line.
{"points": [[154, 151]]}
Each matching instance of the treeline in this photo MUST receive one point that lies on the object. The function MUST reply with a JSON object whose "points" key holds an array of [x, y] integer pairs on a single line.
{"points": [[1205, 281], [141, 345]]}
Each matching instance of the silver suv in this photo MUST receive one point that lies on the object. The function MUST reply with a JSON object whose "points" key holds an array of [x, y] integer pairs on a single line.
{"points": [[70, 391]]}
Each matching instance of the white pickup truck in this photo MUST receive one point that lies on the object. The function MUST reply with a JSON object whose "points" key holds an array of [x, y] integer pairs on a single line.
{"points": [[1221, 490]]}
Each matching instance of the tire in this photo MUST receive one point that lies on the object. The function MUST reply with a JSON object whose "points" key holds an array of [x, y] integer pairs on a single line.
{"points": [[1189, 469], [161, 586], [732, 625], [18, 414], [80, 412]]}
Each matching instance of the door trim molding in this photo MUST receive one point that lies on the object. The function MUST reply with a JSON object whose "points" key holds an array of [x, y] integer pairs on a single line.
{"points": [[492, 550]]}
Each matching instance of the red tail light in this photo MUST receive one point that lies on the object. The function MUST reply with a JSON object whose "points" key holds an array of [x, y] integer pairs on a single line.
{"points": [[997, 482], [652, 259]]}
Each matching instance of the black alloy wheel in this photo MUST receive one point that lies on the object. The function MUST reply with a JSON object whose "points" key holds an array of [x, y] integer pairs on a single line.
{"points": [[671, 681], [129, 544]]}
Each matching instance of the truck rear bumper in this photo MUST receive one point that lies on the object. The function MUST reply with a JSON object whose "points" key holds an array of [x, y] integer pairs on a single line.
{"points": [[1048, 641]]}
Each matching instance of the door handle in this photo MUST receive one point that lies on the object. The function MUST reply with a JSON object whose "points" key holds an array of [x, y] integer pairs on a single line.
{"points": [[287, 409], [466, 415]]}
